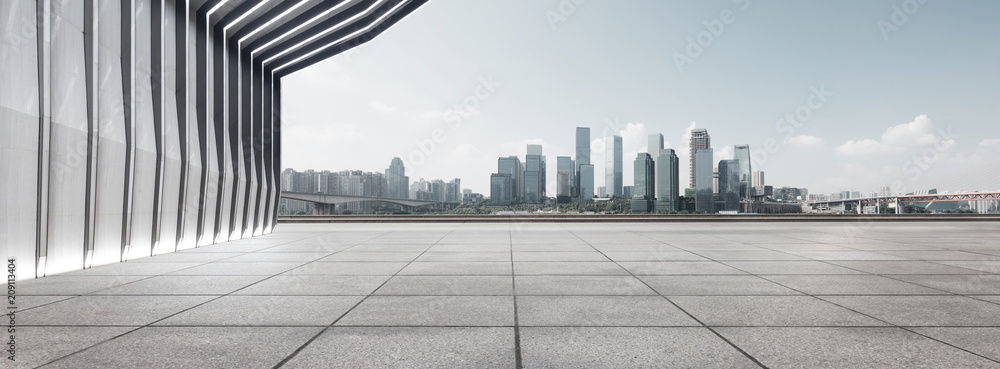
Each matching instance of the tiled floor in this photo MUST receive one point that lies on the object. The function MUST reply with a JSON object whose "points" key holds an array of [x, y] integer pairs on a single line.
{"points": [[613, 295]]}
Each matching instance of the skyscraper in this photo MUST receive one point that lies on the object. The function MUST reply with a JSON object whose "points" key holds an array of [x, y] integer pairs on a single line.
{"points": [[582, 158], [512, 165], [704, 177], [501, 189], [398, 182], [534, 175], [667, 181], [699, 140], [613, 166], [644, 178], [729, 184], [564, 179], [742, 153], [586, 183], [655, 145]]}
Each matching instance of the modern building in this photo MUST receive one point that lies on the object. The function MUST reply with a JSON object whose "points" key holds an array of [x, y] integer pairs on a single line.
{"points": [[758, 178], [613, 173], [512, 165], [699, 140], [628, 191], [564, 179], [667, 181], [501, 189], [644, 183], [582, 158], [742, 154], [534, 175], [586, 183], [729, 185], [703, 175], [398, 183], [654, 145], [169, 113]]}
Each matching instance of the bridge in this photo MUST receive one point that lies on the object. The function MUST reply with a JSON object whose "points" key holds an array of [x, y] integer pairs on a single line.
{"points": [[325, 204], [910, 199]]}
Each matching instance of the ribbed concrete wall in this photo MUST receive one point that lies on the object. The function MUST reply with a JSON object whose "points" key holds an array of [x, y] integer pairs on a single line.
{"points": [[131, 128]]}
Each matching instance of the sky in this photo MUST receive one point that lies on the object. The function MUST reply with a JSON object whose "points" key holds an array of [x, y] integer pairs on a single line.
{"points": [[830, 96]]}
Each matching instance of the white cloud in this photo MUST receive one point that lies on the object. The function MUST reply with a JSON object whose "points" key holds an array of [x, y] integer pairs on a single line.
{"points": [[992, 142], [725, 153], [895, 139], [381, 106], [804, 141]]}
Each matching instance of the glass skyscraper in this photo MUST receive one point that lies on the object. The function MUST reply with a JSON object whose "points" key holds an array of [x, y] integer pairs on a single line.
{"points": [[613, 166], [512, 165], [582, 158], [586, 183], [534, 175], [699, 140], [564, 179], [742, 154], [667, 181], [644, 178], [729, 184], [704, 177]]}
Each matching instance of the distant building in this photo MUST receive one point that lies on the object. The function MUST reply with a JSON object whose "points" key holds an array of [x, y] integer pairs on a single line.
{"points": [[729, 185], [586, 183], [758, 178], [534, 175], [704, 176], [628, 191], [602, 191], [645, 182], [564, 179], [667, 181], [501, 189], [512, 165], [741, 153], [699, 140], [582, 158], [613, 173], [654, 145], [398, 183]]}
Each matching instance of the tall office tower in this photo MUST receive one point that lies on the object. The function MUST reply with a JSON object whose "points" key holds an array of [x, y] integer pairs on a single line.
{"points": [[655, 145], [667, 180], [729, 184], [586, 183], [627, 191], [613, 166], [742, 153], [703, 176], [582, 157], [501, 189], [395, 175], [512, 165], [645, 181], [564, 179], [534, 175], [699, 140], [758, 178]]}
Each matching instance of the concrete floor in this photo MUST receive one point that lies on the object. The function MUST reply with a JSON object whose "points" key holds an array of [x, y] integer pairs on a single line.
{"points": [[697, 295]]}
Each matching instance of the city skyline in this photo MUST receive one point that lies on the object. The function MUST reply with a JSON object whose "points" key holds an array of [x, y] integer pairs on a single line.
{"points": [[876, 103]]}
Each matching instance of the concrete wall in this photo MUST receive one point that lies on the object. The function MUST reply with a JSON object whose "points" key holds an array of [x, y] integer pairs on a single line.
{"points": [[108, 145]]}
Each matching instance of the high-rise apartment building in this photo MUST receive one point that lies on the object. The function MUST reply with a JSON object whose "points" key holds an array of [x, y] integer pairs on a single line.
{"points": [[644, 183], [667, 181], [703, 175], [613, 172], [699, 140]]}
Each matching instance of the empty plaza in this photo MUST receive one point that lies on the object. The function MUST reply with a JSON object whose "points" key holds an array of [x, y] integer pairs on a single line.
{"points": [[511, 295]]}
